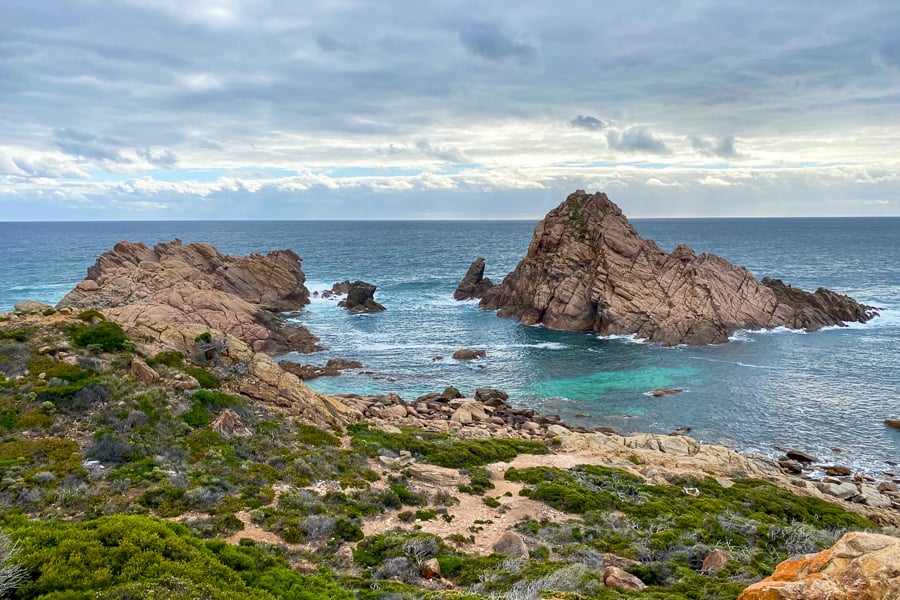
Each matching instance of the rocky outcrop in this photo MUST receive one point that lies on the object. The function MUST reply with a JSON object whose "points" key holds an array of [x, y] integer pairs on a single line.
{"points": [[587, 269], [861, 566], [152, 291], [332, 368], [264, 381], [474, 284], [361, 298]]}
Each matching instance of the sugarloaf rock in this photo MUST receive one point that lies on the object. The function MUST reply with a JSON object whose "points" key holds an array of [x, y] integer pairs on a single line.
{"points": [[587, 269], [152, 291]]}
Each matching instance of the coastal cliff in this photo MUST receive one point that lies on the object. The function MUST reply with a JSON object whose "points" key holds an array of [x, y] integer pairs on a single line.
{"points": [[587, 269], [151, 291]]}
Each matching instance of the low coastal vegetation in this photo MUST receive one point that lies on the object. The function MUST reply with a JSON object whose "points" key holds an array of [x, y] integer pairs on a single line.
{"points": [[113, 487]]}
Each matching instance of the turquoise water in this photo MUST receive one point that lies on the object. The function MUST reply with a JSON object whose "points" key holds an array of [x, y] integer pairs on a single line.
{"points": [[814, 392]]}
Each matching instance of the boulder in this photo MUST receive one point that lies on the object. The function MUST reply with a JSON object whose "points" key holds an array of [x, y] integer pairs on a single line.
{"points": [[332, 368], [837, 471], [860, 566], [467, 354], [142, 371], [473, 284], [491, 397], [801, 456], [587, 269], [615, 577], [361, 298], [660, 392], [842, 491], [228, 424], [895, 423], [430, 569], [714, 561], [28, 307], [511, 544], [156, 292]]}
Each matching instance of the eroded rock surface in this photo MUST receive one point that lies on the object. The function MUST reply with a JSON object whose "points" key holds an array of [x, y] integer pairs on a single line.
{"points": [[587, 269], [152, 291], [861, 566]]}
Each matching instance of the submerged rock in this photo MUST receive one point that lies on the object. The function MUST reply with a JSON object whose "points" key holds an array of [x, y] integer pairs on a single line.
{"points": [[155, 292], [467, 354], [587, 269]]}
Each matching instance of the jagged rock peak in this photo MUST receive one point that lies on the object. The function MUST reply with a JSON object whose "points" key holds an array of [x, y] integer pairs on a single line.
{"points": [[474, 284], [587, 269]]}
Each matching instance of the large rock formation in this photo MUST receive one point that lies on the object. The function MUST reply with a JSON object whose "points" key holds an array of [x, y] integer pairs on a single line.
{"points": [[587, 269], [861, 566], [152, 291]]}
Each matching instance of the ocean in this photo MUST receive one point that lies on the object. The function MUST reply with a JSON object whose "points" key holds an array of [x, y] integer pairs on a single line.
{"points": [[815, 392]]}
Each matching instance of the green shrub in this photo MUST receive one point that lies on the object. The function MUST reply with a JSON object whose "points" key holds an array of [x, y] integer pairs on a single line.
{"points": [[203, 338], [18, 334], [205, 402], [141, 557], [106, 335], [169, 358], [91, 314], [442, 449], [204, 378], [315, 436]]}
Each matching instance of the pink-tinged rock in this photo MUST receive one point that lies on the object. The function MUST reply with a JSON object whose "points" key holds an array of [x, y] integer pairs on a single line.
{"points": [[615, 577], [587, 269], [153, 291]]}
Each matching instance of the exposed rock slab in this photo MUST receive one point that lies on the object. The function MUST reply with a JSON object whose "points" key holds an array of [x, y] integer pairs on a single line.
{"points": [[861, 566], [587, 269], [173, 285]]}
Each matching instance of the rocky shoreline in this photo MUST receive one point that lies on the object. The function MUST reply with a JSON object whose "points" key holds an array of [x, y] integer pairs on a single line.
{"points": [[291, 462]]}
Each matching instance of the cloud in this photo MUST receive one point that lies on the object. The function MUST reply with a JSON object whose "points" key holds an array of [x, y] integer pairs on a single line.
{"points": [[485, 39], [636, 138], [588, 122], [710, 146], [444, 153], [86, 145]]}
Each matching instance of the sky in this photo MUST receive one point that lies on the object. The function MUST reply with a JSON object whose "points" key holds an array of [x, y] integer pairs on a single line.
{"points": [[397, 109]]}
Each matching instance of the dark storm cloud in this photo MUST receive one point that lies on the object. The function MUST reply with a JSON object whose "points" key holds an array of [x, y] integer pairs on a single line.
{"points": [[721, 147], [588, 122], [636, 139], [487, 41]]}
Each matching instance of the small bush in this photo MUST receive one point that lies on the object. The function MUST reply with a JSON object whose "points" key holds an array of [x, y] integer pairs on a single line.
{"points": [[314, 436], [203, 338], [206, 379], [19, 334], [91, 314], [170, 358], [106, 335]]}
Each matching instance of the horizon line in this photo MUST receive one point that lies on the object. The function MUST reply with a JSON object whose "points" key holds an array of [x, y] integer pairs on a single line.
{"points": [[426, 220]]}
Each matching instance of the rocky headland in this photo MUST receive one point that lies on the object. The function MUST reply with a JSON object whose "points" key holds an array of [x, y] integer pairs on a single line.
{"points": [[154, 292], [587, 269]]}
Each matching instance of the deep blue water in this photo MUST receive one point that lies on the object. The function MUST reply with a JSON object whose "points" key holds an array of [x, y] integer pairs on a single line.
{"points": [[830, 389]]}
